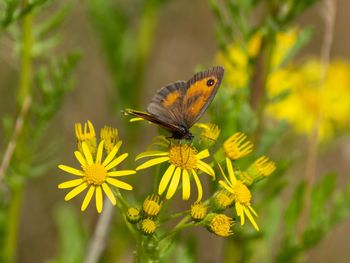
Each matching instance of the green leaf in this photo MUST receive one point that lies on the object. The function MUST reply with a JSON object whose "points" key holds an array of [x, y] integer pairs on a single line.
{"points": [[294, 210]]}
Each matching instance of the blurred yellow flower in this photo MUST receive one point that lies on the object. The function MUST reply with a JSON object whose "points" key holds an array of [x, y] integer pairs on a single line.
{"points": [[96, 175], [235, 61], [307, 99], [184, 161]]}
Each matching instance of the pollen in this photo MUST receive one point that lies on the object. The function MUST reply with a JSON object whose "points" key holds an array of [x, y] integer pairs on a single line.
{"points": [[95, 174], [184, 156], [241, 193]]}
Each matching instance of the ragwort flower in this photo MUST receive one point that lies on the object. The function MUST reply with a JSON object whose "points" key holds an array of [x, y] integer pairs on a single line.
{"points": [[96, 175], [241, 195], [184, 161], [86, 135]]}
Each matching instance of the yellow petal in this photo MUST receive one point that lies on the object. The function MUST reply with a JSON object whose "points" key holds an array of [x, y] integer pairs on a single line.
{"points": [[121, 173], [99, 199], [99, 152], [198, 184], [223, 174], [116, 161], [186, 187], [87, 154], [77, 190], [166, 179], [226, 186], [203, 154], [174, 183], [109, 193], [111, 155], [80, 158], [70, 183], [231, 173], [71, 170], [205, 168], [119, 183], [151, 153], [250, 217], [152, 162], [240, 212], [87, 198], [253, 211]]}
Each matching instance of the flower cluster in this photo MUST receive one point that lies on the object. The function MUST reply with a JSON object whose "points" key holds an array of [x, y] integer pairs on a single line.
{"points": [[297, 93], [98, 166], [146, 218], [181, 162]]}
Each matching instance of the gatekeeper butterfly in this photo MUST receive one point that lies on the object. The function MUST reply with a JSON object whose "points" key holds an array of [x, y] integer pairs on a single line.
{"points": [[179, 105]]}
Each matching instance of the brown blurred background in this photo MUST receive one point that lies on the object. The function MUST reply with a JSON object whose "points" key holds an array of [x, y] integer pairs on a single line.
{"points": [[185, 37]]}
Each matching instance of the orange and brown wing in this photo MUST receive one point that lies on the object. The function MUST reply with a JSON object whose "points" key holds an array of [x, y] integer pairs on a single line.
{"points": [[166, 105], [200, 92]]}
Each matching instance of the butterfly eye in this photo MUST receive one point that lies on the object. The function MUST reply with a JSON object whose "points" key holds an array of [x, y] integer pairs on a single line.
{"points": [[210, 82]]}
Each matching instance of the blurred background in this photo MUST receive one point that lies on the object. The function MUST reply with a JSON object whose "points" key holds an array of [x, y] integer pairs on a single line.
{"points": [[184, 37]]}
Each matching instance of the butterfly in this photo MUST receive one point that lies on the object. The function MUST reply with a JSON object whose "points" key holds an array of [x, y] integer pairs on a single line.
{"points": [[178, 106]]}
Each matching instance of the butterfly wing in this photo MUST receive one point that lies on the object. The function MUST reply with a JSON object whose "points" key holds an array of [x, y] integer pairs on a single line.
{"points": [[166, 105], [154, 119], [200, 91]]}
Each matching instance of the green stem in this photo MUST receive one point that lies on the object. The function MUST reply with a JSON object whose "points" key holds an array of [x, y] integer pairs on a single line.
{"points": [[12, 225], [25, 84], [26, 57]]}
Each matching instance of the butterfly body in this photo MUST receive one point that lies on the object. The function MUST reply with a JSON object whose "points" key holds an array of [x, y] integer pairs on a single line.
{"points": [[177, 106]]}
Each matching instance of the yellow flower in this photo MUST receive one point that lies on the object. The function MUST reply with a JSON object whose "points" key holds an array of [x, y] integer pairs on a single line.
{"points": [[110, 136], [210, 131], [220, 224], [184, 161], [241, 195], [308, 100], [148, 226], [237, 147], [133, 215], [87, 135], [152, 205], [235, 61], [223, 199], [198, 211], [285, 41], [96, 175], [262, 167]]}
